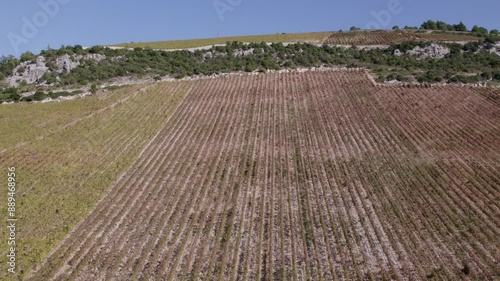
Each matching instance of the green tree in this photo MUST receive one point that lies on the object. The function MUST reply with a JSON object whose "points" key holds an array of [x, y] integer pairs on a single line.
{"points": [[354, 28], [441, 25], [460, 27], [494, 32], [430, 24], [479, 30], [395, 27]]}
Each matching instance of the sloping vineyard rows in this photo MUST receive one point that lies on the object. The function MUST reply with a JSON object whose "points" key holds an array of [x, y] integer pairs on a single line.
{"points": [[302, 176], [25, 122], [387, 38], [65, 173]]}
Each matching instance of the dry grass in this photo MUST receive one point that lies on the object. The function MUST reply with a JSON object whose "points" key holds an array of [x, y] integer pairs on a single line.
{"points": [[317, 37], [67, 154]]}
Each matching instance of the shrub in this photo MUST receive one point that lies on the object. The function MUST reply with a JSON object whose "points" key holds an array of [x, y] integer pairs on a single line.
{"points": [[402, 78], [39, 96], [250, 67], [15, 97], [496, 75], [460, 27], [27, 56], [93, 89], [492, 39], [471, 47], [486, 75], [479, 30]]}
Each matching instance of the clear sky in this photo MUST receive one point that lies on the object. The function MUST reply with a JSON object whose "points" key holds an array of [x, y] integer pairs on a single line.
{"points": [[36, 24]]}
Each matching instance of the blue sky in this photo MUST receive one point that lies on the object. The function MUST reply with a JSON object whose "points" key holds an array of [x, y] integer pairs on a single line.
{"points": [[26, 25]]}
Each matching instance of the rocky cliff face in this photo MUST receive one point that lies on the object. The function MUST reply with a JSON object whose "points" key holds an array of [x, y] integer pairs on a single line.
{"points": [[432, 51], [28, 71], [32, 72]]}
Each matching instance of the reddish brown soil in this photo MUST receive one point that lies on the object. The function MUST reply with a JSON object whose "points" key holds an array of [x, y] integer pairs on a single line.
{"points": [[391, 37], [303, 176]]}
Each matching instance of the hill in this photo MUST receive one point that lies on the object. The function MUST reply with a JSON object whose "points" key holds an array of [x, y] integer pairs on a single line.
{"points": [[256, 160], [286, 175], [367, 37], [314, 38], [73, 70]]}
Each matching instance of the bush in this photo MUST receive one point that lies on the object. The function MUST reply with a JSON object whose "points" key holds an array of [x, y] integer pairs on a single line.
{"points": [[15, 97], [11, 90], [402, 78], [7, 64], [486, 75], [93, 89], [39, 96], [479, 30], [430, 77], [496, 75], [250, 67], [471, 47], [492, 39], [27, 56]]}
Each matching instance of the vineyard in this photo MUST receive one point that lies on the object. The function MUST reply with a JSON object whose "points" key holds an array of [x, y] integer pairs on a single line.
{"points": [[281, 176], [391, 37], [313, 37], [377, 37], [69, 153]]}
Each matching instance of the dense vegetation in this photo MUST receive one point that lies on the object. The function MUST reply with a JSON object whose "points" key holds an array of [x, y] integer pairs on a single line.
{"points": [[469, 63]]}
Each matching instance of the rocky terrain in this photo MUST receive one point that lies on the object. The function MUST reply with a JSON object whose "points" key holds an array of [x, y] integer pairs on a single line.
{"points": [[58, 73], [31, 72]]}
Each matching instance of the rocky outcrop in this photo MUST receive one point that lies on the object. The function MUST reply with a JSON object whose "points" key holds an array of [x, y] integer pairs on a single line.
{"points": [[66, 63], [243, 53], [32, 72], [397, 53], [432, 51], [28, 71], [94, 57], [496, 49]]}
